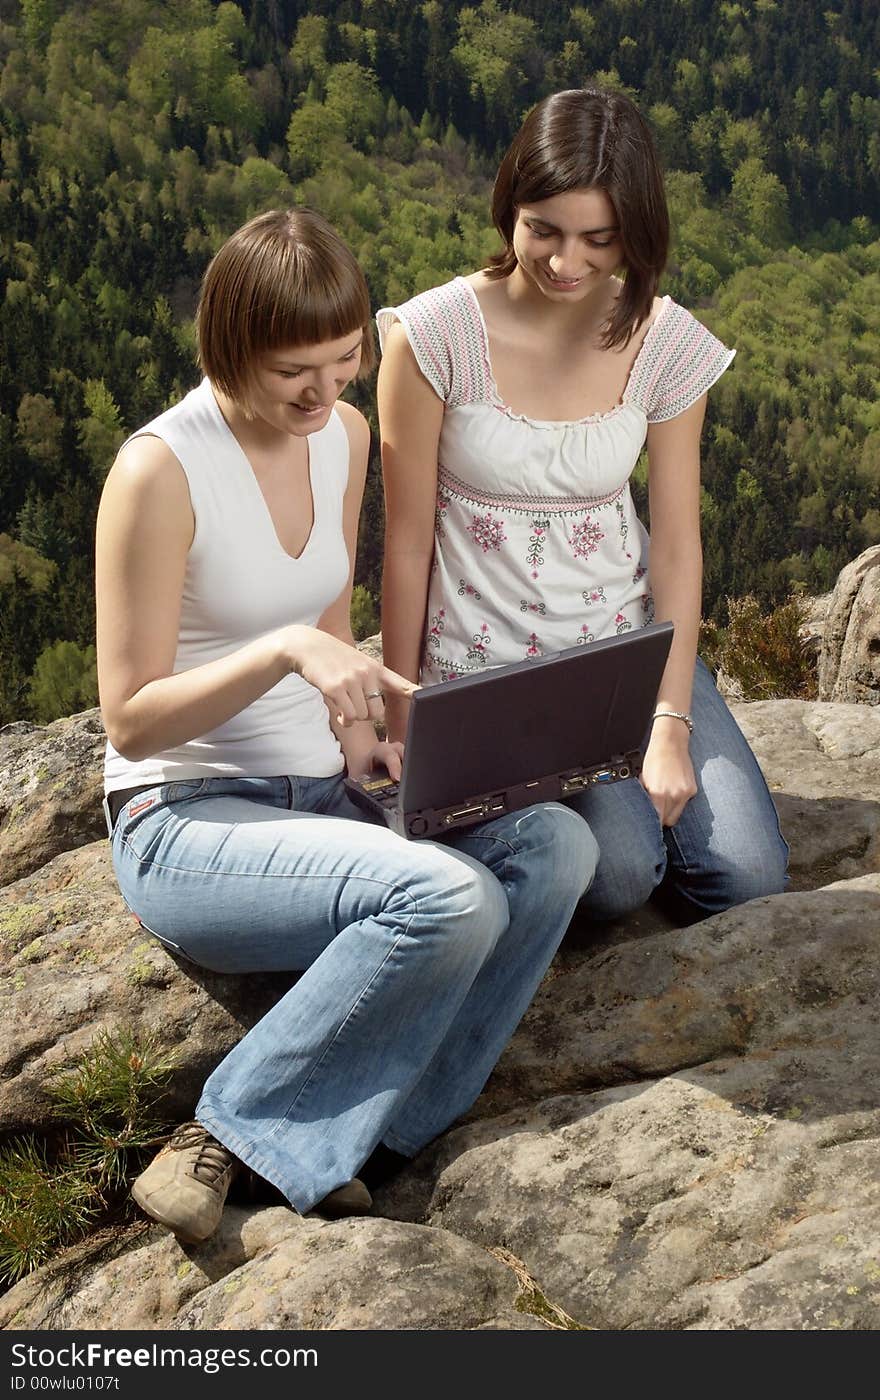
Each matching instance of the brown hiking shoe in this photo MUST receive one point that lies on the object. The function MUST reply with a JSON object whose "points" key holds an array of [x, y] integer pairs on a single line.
{"points": [[185, 1185], [351, 1199]]}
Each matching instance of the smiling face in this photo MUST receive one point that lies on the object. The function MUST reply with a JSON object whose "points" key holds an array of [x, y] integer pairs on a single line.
{"points": [[294, 388], [568, 245]]}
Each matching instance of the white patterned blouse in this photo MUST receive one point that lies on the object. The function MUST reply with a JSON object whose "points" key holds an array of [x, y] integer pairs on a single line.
{"points": [[537, 542]]}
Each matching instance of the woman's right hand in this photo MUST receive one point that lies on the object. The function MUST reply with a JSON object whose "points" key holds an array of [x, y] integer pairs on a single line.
{"points": [[353, 684]]}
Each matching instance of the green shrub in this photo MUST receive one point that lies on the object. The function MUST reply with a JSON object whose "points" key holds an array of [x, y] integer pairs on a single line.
{"points": [[108, 1106], [764, 653], [364, 613], [64, 680]]}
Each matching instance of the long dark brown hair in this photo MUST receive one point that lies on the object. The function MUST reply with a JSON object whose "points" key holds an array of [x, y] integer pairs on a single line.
{"points": [[591, 138]]}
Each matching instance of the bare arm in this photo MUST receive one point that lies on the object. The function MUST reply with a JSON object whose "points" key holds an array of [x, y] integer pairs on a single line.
{"points": [[410, 419], [358, 741], [676, 580], [144, 531]]}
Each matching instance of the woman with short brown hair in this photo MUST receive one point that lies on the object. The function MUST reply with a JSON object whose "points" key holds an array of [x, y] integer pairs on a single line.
{"points": [[234, 699]]}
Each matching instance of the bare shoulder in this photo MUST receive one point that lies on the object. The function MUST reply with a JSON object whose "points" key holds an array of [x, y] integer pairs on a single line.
{"points": [[146, 464], [355, 425], [147, 483], [396, 341], [358, 430], [487, 290]]}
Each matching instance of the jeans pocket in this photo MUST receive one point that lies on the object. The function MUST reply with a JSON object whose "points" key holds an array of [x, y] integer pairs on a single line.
{"points": [[182, 789]]}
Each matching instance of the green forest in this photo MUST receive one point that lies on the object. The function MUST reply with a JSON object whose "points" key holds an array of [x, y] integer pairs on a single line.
{"points": [[137, 134]]}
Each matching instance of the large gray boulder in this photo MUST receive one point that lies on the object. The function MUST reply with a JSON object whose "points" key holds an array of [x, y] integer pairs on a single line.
{"points": [[50, 790], [681, 1134], [849, 660], [270, 1269], [74, 962]]}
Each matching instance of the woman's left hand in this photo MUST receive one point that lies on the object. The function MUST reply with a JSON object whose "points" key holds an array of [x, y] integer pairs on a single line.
{"points": [[387, 754], [667, 771]]}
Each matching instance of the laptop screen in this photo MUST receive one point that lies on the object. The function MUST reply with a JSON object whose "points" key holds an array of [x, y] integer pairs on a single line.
{"points": [[512, 724]]}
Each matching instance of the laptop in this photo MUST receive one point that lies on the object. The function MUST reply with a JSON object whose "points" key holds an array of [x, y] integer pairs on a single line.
{"points": [[534, 731]]}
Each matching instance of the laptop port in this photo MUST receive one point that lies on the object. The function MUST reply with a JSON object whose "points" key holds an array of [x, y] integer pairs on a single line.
{"points": [[603, 775], [623, 771], [480, 810], [575, 784]]}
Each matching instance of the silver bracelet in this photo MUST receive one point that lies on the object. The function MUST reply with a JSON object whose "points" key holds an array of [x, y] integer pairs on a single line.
{"points": [[676, 714]]}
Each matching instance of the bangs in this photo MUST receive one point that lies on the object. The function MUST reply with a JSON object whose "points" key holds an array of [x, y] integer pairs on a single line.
{"points": [[285, 279], [313, 300]]}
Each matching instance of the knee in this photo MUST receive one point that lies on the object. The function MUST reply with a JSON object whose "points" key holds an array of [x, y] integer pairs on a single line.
{"points": [[559, 842], [724, 881], [624, 883], [461, 898], [753, 877]]}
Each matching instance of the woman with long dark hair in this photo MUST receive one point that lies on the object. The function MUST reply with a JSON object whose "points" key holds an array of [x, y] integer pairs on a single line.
{"points": [[513, 406]]}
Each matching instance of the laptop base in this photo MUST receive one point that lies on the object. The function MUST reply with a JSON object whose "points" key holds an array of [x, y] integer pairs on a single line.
{"points": [[377, 793]]}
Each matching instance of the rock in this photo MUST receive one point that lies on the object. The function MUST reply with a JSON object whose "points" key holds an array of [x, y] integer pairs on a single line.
{"points": [[812, 630], [270, 1269], [790, 970], [50, 791], [682, 1133], [73, 962], [849, 661], [822, 764], [741, 1193]]}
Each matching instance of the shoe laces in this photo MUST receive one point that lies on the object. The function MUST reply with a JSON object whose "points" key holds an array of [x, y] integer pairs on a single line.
{"points": [[212, 1160]]}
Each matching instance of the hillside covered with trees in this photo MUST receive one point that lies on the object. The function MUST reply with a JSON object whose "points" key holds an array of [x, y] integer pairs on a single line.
{"points": [[136, 134]]}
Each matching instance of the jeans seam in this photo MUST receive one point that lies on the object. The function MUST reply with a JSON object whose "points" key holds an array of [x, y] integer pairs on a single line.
{"points": [[267, 874], [681, 865], [342, 1025]]}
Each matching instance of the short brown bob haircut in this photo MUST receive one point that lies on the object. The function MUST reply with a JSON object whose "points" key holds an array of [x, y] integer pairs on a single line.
{"points": [[285, 278], [591, 138]]}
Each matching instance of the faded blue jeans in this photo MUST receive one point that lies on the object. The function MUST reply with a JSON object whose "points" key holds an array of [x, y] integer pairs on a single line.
{"points": [[725, 848], [418, 959]]}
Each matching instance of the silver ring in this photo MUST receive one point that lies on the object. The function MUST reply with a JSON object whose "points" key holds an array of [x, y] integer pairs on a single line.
{"points": [[373, 694]]}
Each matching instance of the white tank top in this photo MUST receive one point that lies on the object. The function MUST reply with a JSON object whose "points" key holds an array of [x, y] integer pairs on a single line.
{"points": [[240, 583]]}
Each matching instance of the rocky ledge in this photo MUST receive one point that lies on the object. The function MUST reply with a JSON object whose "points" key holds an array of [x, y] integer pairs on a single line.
{"points": [[682, 1134]]}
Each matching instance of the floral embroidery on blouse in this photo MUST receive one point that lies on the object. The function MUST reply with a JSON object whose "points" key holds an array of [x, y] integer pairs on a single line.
{"points": [[621, 624], [539, 608], [438, 623], [487, 533], [479, 649], [624, 527], [535, 552], [585, 635], [585, 538], [440, 513], [467, 590], [592, 596], [534, 646]]}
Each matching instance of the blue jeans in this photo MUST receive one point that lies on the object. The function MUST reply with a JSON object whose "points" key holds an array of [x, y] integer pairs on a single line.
{"points": [[725, 848], [418, 959]]}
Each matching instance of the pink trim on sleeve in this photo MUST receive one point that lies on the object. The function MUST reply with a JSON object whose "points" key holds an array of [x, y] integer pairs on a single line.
{"points": [[679, 361], [444, 331]]}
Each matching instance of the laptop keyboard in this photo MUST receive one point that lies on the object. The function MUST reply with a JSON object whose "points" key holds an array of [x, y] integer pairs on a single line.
{"points": [[382, 789]]}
